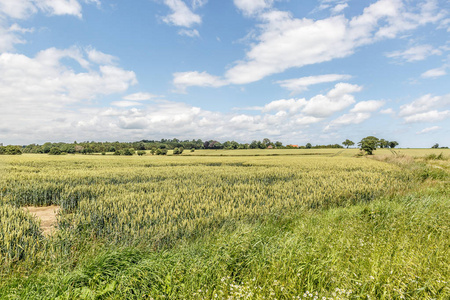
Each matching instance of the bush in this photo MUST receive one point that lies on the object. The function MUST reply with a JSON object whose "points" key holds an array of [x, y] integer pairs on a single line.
{"points": [[10, 150], [141, 152], [55, 151], [178, 151], [161, 151], [129, 151]]}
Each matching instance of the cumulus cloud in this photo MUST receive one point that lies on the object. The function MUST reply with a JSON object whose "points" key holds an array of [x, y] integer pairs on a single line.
{"points": [[298, 85], [45, 106], [347, 119], [101, 58], [290, 105], [425, 109], [428, 130], [182, 80], [415, 53], [319, 106], [126, 103], [387, 111], [358, 114], [434, 73], [181, 15], [339, 8], [285, 42], [22, 9], [251, 7], [139, 97], [367, 106], [36, 89], [11, 10], [189, 33]]}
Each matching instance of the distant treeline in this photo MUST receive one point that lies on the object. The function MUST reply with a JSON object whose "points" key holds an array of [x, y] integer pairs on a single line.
{"points": [[163, 144]]}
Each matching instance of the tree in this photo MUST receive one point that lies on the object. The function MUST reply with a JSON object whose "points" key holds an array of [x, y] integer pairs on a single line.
{"points": [[178, 151], [347, 143], [383, 143], [308, 146], [369, 144], [435, 146], [10, 150], [141, 152], [55, 151], [393, 144]]}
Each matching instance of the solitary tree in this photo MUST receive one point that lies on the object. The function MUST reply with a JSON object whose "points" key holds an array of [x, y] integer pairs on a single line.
{"points": [[369, 144], [308, 146], [347, 143], [435, 146]]}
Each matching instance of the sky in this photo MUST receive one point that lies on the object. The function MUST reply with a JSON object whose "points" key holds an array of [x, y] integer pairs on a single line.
{"points": [[293, 71]]}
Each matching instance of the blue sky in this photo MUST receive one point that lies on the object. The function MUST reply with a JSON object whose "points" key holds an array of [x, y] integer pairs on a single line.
{"points": [[295, 71]]}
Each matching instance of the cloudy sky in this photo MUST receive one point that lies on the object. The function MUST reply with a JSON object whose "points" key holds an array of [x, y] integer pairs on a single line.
{"points": [[295, 71]]}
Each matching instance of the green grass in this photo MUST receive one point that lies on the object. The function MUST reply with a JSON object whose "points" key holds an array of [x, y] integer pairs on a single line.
{"points": [[393, 247], [387, 249]]}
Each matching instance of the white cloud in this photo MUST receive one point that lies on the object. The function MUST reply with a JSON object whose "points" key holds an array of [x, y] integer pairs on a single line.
{"points": [[251, 7], [433, 73], [189, 33], [291, 105], [181, 15], [415, 53], [337, 99], [430, 116], [101, 58], [388, 111], [139, 97], [347, 119], [60, 7], [126, 103], [424, 104], [22, 9], [17, 9], [425, 109], [319, 106], [428, 129], [301, 84], [367, 106], [182, 80], [44, 81], [286, 42], [358, 114], [198, 3], [339, 8], [10, 35]]}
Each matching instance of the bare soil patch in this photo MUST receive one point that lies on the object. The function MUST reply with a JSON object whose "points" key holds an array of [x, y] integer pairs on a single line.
{"points": [[47, 216]]}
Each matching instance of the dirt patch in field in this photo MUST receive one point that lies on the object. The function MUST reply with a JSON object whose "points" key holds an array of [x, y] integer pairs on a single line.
{"points": [[47, 215]]}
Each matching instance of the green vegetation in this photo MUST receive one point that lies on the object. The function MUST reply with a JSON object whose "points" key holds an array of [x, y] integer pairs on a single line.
{"points": [[10, 150], [325, 224]]}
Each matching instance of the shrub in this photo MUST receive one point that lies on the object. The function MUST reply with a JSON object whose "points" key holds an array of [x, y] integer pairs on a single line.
{"points": [[55, 151], [10, 150]]}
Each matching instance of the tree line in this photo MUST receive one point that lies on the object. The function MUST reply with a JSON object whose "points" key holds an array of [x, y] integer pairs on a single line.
{"points": [[161, 147]]}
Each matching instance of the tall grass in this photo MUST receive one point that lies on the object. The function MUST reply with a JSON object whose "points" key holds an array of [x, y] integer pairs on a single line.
{"points": [[232, 228]]}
